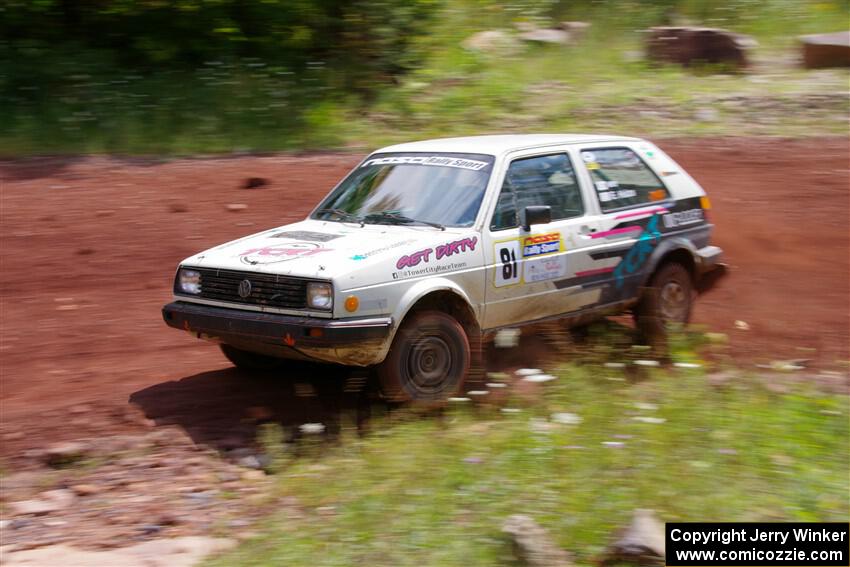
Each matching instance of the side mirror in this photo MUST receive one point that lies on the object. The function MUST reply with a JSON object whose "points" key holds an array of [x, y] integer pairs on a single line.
{"points": [[536, 214]]}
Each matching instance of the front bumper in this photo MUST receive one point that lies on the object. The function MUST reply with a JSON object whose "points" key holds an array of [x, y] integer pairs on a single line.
{"points": [[711, 268], [359, 342]]}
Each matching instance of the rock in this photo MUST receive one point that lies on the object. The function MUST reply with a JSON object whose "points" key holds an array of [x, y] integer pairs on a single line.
{"points": [[236, 207], [65, 453], [577, 30], [706, 114], [32, 508], [826, 50], [150, 529], [507, 338], [532, 544], [253, 475], [255, 183], [250, 462], [537, 378], [85, 489], [642, 542], [61, 497], [692, 45], [544, 35], [50, 501], [497, 42], [566, 418]]}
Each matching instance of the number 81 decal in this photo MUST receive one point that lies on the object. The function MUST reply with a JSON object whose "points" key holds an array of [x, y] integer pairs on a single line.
{"points": [[508, 255]]}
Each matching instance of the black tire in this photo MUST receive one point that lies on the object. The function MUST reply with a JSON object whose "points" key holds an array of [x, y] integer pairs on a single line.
{"points": [[668, 299], [428, 361], [247, 360]]}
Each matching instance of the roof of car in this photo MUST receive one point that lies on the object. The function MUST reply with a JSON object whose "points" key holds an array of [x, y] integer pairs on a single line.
{"points": [[499, 144]]}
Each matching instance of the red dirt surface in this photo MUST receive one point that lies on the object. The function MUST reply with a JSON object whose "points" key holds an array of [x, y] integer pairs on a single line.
{"points": [[89, 246]]}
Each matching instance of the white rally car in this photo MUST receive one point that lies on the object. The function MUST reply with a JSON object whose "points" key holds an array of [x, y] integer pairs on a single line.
{"points": [[426, 247]]}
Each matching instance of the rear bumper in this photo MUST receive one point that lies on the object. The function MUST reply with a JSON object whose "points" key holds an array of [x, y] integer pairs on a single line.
{"points": [[345, 341]]}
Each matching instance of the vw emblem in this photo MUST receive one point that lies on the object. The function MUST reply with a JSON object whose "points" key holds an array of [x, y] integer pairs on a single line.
{"points": [[244, 289]]}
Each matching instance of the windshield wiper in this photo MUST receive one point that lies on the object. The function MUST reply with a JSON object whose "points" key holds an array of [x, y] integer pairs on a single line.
{"points": [[396, 218], [344, 215]]}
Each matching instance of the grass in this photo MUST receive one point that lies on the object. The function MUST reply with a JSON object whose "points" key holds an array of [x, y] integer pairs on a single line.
{"points": [[435, 490], [601, 84]]}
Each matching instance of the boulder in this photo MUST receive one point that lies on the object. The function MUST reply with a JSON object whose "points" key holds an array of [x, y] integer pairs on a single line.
{"points": [[577, 30], [826, 50], [65, 453], [545, 35], [689, 46], [532, 544], [496, 42], [643, 542]]}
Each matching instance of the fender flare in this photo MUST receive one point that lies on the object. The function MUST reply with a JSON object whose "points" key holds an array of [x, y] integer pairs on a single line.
{"points": [[422, 288], [663, 249]]}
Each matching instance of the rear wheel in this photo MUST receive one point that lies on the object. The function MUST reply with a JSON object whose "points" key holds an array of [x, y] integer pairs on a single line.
{"points": [[247, 360], [428, 360], [668, 299]]}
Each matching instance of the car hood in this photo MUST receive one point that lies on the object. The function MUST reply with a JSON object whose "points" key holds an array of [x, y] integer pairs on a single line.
{"points": [[345, 252]]}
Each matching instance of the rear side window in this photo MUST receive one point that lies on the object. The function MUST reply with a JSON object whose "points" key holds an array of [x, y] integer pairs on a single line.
{"points": [[542, 180], [621, 179]]}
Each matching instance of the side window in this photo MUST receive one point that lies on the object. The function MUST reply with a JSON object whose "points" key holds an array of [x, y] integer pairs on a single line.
{"points": [[621, 179], [542, 180]]}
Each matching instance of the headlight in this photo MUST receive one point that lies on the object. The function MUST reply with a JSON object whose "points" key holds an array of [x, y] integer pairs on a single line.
{"points": [[320, 296], [189, 281]]}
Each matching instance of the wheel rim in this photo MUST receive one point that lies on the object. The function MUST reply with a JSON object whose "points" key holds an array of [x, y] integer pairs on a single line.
{"points": [[429, 363], [674, 302]]}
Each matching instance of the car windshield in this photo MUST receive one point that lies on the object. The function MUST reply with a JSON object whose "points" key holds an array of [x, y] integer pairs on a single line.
{"points": [[443, 189]]}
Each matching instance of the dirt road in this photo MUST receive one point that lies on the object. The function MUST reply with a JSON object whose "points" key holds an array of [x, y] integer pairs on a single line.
{"points": [[89, 246]]}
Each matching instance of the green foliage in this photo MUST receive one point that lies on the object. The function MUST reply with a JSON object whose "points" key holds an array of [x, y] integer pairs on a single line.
{"points": [[435, 491], [201, 76]]}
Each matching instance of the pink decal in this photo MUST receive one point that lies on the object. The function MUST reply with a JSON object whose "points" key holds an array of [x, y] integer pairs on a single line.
{"points": [[442, 251], [641, 212], [456, 247], [595, 272], [280, 252], [616, 231]]}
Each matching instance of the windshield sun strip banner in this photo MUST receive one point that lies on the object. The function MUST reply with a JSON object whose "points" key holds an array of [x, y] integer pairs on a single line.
{"points": [[433, 160]]}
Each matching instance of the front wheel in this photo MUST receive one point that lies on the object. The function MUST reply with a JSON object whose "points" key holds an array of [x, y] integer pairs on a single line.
{"points": [[428, 360], [668, 299]]}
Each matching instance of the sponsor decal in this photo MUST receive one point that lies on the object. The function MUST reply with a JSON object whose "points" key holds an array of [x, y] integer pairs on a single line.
{"points": [[541, 244], [535, 252], [605, 185], [280, 253], [442, 161], [682, 218], [307, 235], [370, 253], [622, 194], [546, 268], [442, 251], [637, 254], [425, 270]]}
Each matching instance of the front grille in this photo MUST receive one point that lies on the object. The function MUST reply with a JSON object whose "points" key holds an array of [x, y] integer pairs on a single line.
{"points": [[269, 290]]}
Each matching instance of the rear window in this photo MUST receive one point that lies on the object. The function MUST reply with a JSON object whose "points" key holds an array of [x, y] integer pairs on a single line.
{"points": [[621, 179]]}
